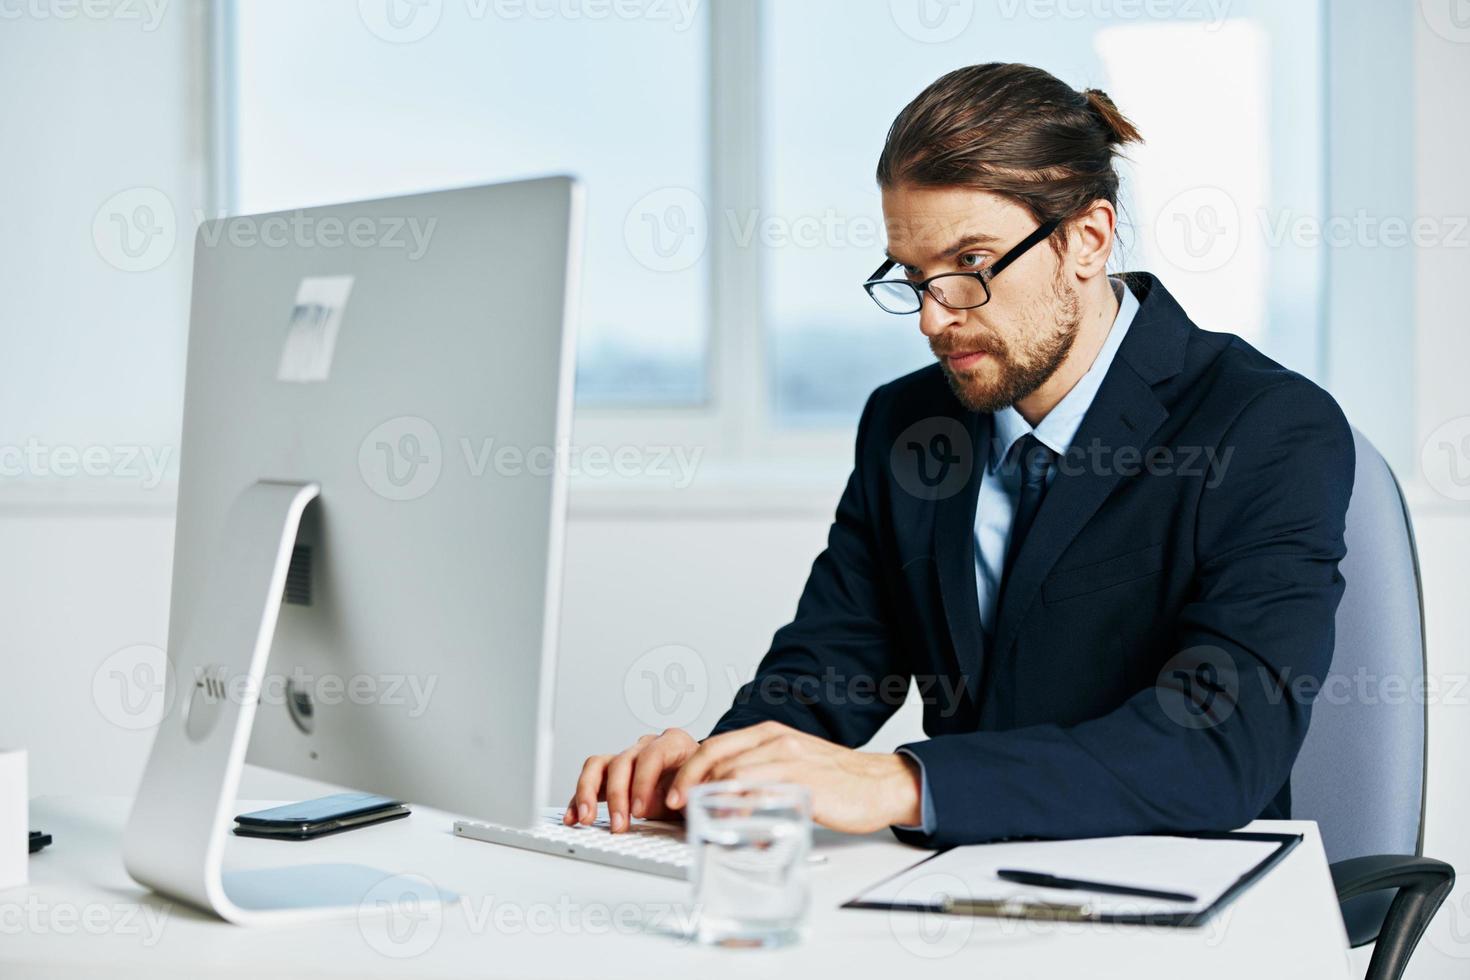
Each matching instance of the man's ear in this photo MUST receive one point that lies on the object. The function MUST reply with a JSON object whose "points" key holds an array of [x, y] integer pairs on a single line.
{"points": [[1090, 239]]}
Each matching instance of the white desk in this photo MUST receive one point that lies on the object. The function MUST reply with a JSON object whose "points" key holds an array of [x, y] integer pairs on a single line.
{"points": [[526, 915]]}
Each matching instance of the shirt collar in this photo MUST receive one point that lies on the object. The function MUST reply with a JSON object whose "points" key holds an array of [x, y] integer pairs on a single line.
{"points": [[1060, 425]]}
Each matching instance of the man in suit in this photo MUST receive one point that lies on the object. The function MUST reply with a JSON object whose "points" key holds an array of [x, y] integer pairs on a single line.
{"points": [[1100, 541]]}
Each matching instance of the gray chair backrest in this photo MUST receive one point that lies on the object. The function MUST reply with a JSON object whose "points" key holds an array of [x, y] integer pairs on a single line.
{"points": [[1360, 773]]}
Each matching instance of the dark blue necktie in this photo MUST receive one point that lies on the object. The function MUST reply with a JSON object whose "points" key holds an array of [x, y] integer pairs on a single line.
{"points": [[1034, 459]]}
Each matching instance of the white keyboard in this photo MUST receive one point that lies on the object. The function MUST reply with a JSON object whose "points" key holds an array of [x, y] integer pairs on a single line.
{"points": [[649, 845]]}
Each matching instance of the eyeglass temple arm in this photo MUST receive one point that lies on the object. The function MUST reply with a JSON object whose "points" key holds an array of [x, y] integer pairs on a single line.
{"points": [[882, 270], [1046, 229]]}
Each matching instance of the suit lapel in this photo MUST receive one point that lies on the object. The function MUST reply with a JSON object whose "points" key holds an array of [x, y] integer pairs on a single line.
{"points": [[954, 556], [1124, 415]]}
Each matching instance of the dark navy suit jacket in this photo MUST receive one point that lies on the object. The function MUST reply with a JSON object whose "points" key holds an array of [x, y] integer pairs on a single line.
{"points": [[1159, 634]]}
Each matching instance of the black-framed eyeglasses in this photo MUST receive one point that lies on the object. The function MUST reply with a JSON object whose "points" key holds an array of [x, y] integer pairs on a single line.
{"points": [[956, 290]]}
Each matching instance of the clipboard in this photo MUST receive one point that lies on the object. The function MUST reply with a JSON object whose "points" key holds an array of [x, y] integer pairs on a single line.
{"points": [[1069, 911]]}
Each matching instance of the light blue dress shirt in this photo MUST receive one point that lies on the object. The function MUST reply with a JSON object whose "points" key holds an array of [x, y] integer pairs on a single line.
{"points": [[1000, 490]]}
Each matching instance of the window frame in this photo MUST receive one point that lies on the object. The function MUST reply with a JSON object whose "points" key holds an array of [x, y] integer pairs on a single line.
{"points": [[734, 426]]}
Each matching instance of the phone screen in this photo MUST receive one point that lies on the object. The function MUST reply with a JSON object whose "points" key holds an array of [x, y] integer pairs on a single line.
{"points": [[315, 811]]}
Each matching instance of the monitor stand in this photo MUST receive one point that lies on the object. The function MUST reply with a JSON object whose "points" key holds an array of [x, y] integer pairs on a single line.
{"points": [[175, 838]]}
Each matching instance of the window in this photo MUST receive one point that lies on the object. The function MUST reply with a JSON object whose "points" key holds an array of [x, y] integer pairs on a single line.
{"points": [[340, 101], [1228, 157], [729, 148]]}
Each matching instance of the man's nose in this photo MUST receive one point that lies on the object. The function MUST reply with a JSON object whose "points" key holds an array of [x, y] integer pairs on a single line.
{"points": [[934, 317]]}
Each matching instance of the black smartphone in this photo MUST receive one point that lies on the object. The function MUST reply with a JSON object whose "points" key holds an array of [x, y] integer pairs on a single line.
{"points": [[320, 817]]}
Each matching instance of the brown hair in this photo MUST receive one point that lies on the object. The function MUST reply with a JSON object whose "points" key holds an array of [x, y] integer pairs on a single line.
{"points": [[1014, 130]]}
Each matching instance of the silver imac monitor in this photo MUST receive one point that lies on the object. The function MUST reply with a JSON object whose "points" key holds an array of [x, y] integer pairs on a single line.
{"points": [[365, 584]]}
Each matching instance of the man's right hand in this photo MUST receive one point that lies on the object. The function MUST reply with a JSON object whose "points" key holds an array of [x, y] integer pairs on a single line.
{"points": [[634, 782]]}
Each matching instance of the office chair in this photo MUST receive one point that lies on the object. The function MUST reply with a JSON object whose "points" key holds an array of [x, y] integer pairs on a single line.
{"points": [[1360, 773]]}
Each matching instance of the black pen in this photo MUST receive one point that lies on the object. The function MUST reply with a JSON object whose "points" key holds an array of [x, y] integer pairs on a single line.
{"points": [[1052, 881]]}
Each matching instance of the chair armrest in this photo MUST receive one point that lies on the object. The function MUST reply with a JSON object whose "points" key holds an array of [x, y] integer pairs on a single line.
{"points": [[1422, 885]]}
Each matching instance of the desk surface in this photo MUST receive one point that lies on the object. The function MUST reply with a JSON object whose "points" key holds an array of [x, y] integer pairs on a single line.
{"points": [[527, 915]]}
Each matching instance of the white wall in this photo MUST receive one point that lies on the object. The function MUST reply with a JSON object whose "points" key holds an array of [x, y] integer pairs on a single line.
{"points": [[1441, 404], [1444, 541], [103, 122], [80, 587], [77, 587]]}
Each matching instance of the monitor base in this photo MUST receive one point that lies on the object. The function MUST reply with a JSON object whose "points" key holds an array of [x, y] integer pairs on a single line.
{"points": [[175, 837], [306, 892]]}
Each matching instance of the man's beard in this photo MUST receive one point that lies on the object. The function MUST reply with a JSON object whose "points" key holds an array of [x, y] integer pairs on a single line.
{"points": [[1004, 377]]}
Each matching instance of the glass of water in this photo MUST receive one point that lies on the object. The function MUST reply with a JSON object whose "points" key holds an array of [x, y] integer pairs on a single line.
{"points": [[749, 844]]}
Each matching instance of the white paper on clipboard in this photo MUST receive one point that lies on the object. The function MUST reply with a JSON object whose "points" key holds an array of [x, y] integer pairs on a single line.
{"points": [[1203, 867]]}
